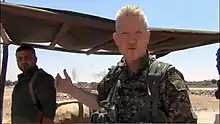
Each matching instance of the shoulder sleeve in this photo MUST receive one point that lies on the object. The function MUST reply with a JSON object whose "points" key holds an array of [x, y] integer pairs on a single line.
{"points": [[46, 94], [176, 99]]}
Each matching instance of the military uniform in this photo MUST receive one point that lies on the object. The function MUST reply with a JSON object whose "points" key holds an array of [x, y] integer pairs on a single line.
{"points": [[173, 101], [23, 109]]}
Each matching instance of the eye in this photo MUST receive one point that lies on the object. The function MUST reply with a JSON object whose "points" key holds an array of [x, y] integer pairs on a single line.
{"points": [[124, 33], [138, 32], [19, 59]]}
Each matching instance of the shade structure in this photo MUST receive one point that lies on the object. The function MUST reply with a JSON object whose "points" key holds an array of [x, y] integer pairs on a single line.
{"points": [[83, 33]]}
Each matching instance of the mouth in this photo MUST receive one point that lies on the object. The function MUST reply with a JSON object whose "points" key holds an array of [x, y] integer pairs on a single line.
{"points": [[132, 48], [25, 66]]}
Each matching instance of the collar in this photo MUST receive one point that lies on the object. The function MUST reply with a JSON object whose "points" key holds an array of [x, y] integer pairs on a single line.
{"points": [[28, 73], [144, 63]]}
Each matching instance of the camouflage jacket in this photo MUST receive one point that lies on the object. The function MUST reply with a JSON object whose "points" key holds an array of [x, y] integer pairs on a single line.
{"points": [[173, 95]]}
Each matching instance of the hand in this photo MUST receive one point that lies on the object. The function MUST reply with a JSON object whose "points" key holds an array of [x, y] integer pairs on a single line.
{"points": [[63, 85]]}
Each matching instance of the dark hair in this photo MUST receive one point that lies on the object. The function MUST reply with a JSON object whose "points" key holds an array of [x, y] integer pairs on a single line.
{"points": [[26, 48]]}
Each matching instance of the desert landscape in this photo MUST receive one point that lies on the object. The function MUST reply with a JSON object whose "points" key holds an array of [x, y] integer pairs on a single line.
{"points": [[203, 101]]}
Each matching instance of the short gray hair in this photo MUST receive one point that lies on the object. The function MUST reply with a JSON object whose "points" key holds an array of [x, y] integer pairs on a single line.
{"points": [[130, 10]]}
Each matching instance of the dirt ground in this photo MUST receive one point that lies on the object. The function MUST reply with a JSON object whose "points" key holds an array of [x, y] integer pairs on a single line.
{"points": [[204, 106]]}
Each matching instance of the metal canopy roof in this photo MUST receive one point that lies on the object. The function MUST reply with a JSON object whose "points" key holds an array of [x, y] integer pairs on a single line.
{"points": [[75, 32]]}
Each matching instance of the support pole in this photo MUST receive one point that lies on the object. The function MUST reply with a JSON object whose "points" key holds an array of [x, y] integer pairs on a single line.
{"points": [[3, 70], [3, 78]]}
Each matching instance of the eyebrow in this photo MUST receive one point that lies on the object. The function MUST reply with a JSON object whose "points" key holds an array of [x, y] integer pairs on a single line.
{"points": [[123, 32]]}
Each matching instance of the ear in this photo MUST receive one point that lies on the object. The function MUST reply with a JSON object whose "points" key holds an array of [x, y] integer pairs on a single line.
{"points": [[114, 35], [148, 36], [35, 59]]}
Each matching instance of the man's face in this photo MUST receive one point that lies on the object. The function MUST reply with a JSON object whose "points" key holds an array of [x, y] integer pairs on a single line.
{"points": [[25, 60], [132, 37]]}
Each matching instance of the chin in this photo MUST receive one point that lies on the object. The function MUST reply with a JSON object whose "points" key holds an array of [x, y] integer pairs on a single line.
{"points": [[133, 56], [26, 68]]}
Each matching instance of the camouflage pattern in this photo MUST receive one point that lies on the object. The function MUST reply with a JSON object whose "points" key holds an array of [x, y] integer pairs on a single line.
{"points": [[173, 100]]}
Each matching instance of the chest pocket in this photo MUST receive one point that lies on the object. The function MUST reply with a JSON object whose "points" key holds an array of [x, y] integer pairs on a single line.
{"points": [[150, 112]]}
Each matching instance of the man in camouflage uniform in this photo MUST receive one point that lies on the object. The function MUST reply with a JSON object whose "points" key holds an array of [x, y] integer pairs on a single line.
{"points": [[23, 109], [137, 96]]}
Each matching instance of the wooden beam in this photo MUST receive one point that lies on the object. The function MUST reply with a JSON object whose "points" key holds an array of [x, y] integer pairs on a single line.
{"points": [[4, 36], [161, 54], [161, 40], [97, 47], [63, 30], [69, 51]]}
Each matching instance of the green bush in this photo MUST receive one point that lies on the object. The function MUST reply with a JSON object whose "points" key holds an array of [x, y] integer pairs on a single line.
{"points": [[10, 83]]}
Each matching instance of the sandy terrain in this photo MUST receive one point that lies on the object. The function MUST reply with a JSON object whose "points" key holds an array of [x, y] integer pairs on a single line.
{"points": [[205, 107]]}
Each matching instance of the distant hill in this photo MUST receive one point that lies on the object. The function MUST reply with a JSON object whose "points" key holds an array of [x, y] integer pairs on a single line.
{"points": [[206, 83], [192, 84]]}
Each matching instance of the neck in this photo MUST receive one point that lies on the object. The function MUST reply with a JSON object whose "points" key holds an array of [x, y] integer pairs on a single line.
{"points": [[31, 69], [134, 65]]}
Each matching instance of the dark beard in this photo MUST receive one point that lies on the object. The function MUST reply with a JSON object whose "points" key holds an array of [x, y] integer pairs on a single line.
{"points": [[25, 67]]}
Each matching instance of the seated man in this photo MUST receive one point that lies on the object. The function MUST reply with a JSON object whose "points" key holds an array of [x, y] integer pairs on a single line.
{"points": [[42, 89]]}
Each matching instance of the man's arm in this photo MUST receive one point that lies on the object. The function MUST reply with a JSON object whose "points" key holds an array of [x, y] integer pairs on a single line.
{"points": [[89, 99], [46, 94], [176, 99], [84, 97]]}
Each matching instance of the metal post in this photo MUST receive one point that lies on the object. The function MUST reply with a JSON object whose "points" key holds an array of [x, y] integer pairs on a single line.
{"points": [[1, 51], [4, 64], [3, 78]]}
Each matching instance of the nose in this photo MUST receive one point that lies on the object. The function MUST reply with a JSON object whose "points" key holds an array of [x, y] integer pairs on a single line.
{"points": [[132, 40], [22, 60]]}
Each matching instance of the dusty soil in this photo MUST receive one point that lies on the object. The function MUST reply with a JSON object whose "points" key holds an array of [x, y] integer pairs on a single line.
{"points": [[204, 104]]}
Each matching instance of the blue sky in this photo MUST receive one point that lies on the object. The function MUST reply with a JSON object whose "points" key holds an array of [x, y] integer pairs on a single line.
{"points": [[196, 63]]}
